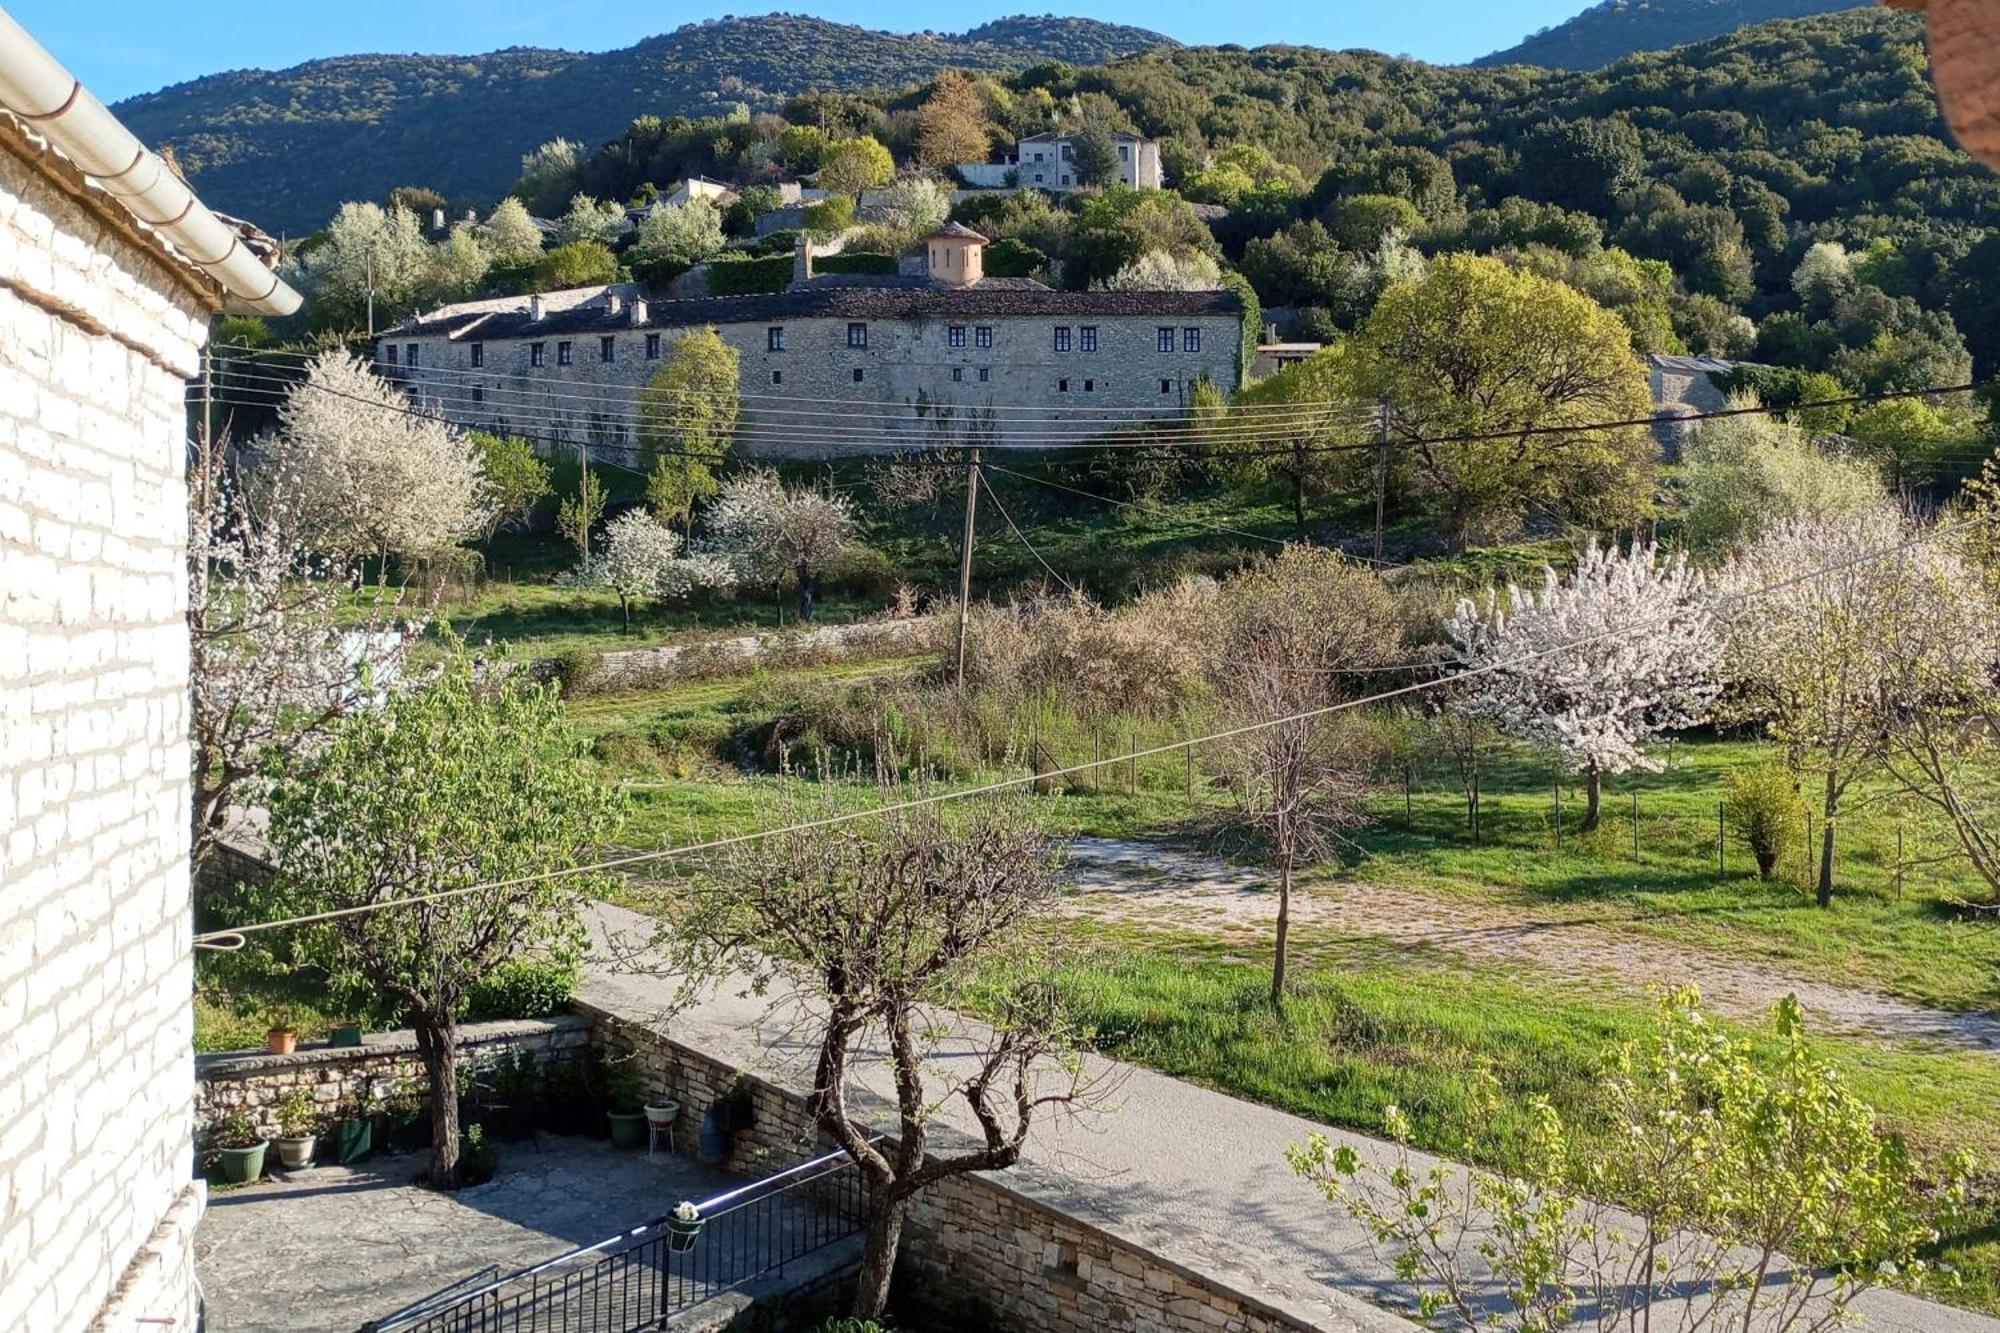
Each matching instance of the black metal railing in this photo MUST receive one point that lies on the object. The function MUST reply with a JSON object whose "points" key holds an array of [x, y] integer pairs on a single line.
{"points": [[638, 1278]]}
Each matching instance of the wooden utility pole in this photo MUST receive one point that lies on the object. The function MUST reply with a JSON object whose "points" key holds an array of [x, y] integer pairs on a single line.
{"points": [[965, 561], [1381, 472]]}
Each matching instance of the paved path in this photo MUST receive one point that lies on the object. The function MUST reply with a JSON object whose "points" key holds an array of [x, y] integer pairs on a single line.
{"points": [[1152, 884], [330, 1248], [1191, 1174]]}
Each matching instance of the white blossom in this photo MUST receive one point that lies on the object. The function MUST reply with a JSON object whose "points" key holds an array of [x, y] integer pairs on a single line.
{"points": [[369, 474], [1598, 662], [770, 530], [1159, 271]]}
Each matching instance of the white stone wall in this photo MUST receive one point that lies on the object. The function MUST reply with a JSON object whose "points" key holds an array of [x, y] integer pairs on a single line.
{"points": [[97, 1200], [804, 402]]}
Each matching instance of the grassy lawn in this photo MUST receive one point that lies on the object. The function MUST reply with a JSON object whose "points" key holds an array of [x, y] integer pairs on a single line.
{"points": [[1368, 1027], [1919, 945]]}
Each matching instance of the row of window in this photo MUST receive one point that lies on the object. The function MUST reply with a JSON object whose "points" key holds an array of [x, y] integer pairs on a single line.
{"points": [[860, 376], [1085, 340]]}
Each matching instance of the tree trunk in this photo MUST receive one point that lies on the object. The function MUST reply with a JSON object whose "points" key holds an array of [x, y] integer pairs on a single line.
{"points": [[1593, 788], [437, 1043], [878, 1258], [1825, 895], [806, 591], [1284, 928], [625, 607], [1299, 497]]}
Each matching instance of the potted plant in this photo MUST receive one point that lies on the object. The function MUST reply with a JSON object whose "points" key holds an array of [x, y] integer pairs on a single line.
{"points": [[682, 1227], [241, 1150], [627, 1113], [353, 1131], [517, 1086], [478, 1159], [298, 1129], [662, 1114], [283, 1038]]}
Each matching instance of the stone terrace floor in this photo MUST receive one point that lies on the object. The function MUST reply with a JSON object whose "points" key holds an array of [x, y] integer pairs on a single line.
{"points": [[333, 1247]]}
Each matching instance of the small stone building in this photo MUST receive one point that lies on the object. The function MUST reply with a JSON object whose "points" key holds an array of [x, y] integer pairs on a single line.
{"points": [[109, 272], [839, 363], [1047, 162]]}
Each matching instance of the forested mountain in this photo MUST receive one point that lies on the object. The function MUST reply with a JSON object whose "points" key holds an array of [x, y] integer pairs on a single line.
{"points": [[285, 147], [1619, 28]]}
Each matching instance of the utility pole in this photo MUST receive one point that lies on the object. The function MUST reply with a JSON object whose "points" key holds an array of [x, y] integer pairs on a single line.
{"points": [[965, 561], [1381, 471]]}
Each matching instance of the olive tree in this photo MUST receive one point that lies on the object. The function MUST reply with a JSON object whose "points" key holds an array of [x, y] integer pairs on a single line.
{"points": [[1292, 638], [1754, 1195], [875, 929], [478, 799], [1597, 662]]}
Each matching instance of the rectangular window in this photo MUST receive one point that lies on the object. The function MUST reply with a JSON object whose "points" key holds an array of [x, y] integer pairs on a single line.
{"points": [[607, 348], [1190, 340], [1166, 340], [478, 355], [984, 374], [1038, 178], [1066, 155], [537, 353], [857, 335], [859, 375], [957, 374], [1166, 386], [774, 338], [563, 353], [410, 355], [1062, 386], [983, 336], [1065, 179], [478, 394], [389, 351], [1124, 152], [652, 347], [955, 335], [777, 377], [1088, 336], [1090, 386], [1062, 337]]}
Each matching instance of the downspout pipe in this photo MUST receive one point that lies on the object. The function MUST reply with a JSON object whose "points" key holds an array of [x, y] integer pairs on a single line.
{"points": [[36, 88]]}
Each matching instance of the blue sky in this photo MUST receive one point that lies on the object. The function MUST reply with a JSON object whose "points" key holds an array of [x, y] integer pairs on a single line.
{"points": [[122, 47]]}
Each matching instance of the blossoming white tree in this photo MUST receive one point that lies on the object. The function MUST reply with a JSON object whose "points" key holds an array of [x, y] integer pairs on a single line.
{"points": [[771, 530], [640, 560], [368, 473], [679, 234], [1597, 662]]}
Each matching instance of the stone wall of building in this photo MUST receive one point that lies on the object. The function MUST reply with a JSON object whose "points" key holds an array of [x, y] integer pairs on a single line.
{"points": [[802, 399], [97, 336], [252, 1083], [1037, 1269]]}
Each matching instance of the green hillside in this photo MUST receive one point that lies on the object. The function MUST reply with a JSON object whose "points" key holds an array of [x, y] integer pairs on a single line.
{"points": [[1619, 28], [285, 147]]}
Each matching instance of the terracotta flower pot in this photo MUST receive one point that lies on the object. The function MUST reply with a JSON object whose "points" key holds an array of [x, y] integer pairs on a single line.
{"points": [[1965, 61], [281, 1041]]}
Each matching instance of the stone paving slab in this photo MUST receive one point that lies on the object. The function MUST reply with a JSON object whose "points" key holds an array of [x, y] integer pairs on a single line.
{"points": [[325, 1250]]}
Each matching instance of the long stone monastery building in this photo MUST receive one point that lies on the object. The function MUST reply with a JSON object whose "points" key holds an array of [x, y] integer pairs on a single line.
{"points": [[839, 363]]}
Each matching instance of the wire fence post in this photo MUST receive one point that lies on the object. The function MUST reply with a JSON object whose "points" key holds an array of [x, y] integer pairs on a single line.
{"points": [[1096, 760], [1899, 860], [1721, 843], [1187, 754], [1808, 851], [1635, 824], [1557, 785], [1132, 766]]}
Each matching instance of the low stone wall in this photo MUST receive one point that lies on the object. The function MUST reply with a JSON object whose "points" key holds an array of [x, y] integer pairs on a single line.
{"points": [[254, 1082], [1035, 1269], [645, 668]]}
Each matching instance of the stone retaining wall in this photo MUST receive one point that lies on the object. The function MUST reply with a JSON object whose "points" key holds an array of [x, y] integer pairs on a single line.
{"points": [[254, 1082], [646, 668], [1037, 1270]]}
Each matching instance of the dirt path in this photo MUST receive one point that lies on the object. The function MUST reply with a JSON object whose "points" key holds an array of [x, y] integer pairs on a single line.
{"points": [[1153, 884]]}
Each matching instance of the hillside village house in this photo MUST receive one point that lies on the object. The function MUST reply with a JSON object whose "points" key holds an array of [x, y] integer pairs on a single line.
{"points": [[839, 363], [1047, 162], [109, 272]]}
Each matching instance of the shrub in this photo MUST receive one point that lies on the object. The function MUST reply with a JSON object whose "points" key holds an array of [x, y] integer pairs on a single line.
{"points": [[523, 988], [572, 669], [863, 571], [1764, 808], [749, 277], [298, 1117], [477, 1159]]}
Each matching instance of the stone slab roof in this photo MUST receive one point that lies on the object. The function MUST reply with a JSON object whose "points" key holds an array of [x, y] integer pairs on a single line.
{"points": [[993, 298]]}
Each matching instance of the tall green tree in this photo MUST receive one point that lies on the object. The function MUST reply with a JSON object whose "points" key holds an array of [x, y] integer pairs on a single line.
{"points": [[687, 421], [1475, 363], [477, 790], [850, 166]]}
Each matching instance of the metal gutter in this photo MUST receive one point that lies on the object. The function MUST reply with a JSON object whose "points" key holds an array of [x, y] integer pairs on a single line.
{"points": [[37, 89]]}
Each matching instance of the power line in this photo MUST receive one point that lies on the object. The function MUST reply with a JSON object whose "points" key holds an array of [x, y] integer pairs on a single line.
{"points": [[234, 937], [1023, 538]]}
